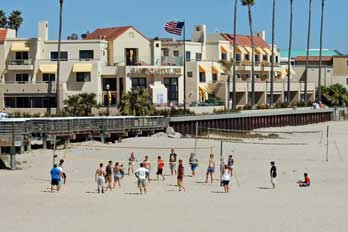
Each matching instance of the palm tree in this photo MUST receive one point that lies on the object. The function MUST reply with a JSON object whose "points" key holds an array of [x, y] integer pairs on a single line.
{"points": [[227, 66], [272, 61], [81, 104], [58, 60], [15, 20], [335, 95], [3, 19], [290, 47], [321, 47], [249, 4], [136, 102], [308, 46], [234, 97]]}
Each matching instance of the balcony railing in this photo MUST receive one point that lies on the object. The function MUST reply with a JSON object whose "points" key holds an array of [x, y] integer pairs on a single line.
{"points": [[149, 61], [19, 62]]}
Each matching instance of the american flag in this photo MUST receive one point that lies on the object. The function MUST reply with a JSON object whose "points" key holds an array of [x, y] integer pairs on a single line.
{"points": [[174, 27]]}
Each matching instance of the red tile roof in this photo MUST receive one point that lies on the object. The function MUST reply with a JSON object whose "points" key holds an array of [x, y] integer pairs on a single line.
{"points": [[313, 58], [3, 35], [111, 33], [244, 40]]}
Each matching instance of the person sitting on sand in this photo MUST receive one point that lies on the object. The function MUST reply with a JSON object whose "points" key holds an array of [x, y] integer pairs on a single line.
{"points": [[100, 178], [211, 169], [306, 182], [180, 176], [131, 163], [142, 173], [147, 165], [117, 174], [194, 163], [225, 178], [160, 167], [56, 176]]}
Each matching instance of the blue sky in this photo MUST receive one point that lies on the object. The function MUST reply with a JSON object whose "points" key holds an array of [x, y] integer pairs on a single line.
{"points": [[150, 16]]}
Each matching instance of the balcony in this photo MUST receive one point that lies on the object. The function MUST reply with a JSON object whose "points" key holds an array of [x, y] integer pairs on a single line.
{"points": [[26, 87], [148, 61], [19, 64]]}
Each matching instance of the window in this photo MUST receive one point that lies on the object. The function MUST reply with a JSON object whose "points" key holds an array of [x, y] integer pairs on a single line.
{"points": [[157, 45], [201, 76], [131, 56], [257, 76], [189, 74], [238, 58], [257, 58], [265, 58], [83, 76], [238, 75], [176, 53], [86, 54], [188, 56], [246, 56], [172, 88], [63, 56], [215, 77], [22, 55], [30, 102], [47, 77], [277, 59], [223, 56], [198, 29], [22, 78], [246, 76], [138, 82], [165, 52], [198, 56], [346, 81], [121, 86], [111, 82]]}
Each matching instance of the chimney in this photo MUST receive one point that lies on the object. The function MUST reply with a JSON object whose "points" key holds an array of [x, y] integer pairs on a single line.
{"points": [[261, 34], [199, 33], [43, 31], [156, 52]]}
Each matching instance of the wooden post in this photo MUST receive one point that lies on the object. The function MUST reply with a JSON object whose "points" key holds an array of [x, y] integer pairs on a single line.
{"points": [[221, 148], [54, 151], [196, 136], [13, 149], [327, 144]]}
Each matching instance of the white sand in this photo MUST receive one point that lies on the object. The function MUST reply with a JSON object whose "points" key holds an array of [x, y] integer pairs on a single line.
{"points": [[27, 206]]}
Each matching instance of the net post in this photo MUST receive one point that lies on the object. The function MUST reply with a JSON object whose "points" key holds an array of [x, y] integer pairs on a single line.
{"points": [[327, 144]]}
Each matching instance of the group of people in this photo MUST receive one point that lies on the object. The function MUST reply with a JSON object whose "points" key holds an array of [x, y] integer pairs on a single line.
{"points": [[301, 183], [110, 177]]}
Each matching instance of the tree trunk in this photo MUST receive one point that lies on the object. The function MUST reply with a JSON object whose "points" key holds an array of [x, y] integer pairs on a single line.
{"points": [[234, 99], [308, 47], [272, 65], [252, 58], [58, 61], [289, 55], [321, 47]]}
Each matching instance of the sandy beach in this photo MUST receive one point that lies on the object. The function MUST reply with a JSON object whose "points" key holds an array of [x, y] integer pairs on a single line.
{"points": [[27, 204]]}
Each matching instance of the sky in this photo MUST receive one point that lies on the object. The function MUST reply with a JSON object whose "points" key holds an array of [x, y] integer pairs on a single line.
{"points": [[150, 16]]}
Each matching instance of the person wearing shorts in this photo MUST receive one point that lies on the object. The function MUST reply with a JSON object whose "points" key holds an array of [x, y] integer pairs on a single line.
{"points": [[147, 165], [142, 173], [56, 176], [117, 174], [211, 169], [160, 167], [194, 163], [100, 178], [225, 179], [273, 174], [172, 162]]}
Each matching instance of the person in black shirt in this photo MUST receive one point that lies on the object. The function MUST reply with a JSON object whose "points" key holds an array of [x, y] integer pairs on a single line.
{"points": [[108, 176], [273, 173]]}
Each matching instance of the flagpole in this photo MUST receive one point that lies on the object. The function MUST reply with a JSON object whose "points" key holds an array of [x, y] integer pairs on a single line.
{"points": [[184, 38]]}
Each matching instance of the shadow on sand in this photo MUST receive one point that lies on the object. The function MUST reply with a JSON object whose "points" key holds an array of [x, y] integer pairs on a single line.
{"points": [[134, 194], [264, 188]]}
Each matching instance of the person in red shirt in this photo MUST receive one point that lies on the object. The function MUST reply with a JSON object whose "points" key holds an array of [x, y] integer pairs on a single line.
{"points": [[160, 167], [180, 176], [306, 182]]}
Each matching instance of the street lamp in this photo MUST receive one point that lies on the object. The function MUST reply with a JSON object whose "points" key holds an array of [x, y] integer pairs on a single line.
{"points": [[108, 99]]}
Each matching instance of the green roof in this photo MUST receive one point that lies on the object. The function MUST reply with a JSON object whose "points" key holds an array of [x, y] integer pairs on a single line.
{"points": [[312, 52]]}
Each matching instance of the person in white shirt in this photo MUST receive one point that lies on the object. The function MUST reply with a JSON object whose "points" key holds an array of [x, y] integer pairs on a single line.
{"points": [[225, 178], [142, 174], [60, 167]]}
